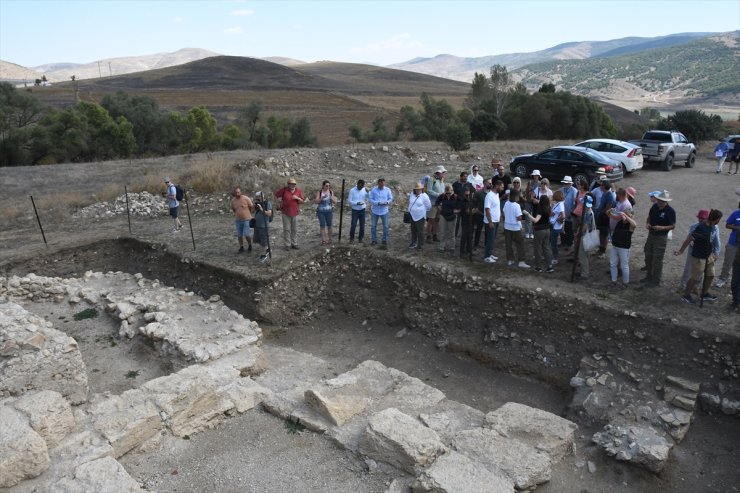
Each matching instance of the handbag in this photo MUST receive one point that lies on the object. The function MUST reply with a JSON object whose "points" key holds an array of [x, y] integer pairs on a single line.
{"points": [[590, 240], [252, 222], [407, 219]]}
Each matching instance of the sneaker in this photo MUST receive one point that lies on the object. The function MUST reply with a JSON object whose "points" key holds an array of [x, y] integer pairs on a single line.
{"points": [[554, 261], [523, 265], [537, 269], [709, 297], [262, 259], [241, 249], [412, 245], [373, 243], [720, 283], [511, 263], [687, 299], [489, 260], [550, 270], [494, 257], [176, 230], [179, 226]]}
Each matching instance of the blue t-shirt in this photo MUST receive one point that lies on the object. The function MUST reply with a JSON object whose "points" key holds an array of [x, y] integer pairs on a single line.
{"points": [[734, 219], [172, 192]]}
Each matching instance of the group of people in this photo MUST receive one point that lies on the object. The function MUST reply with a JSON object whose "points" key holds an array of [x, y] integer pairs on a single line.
{"points": [[572, 223]]}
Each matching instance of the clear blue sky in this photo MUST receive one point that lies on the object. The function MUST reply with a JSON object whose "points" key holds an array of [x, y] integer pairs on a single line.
{"points": [[35, 32]]}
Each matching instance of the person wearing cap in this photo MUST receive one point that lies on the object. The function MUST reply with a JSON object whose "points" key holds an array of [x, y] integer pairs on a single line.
{"points": [[262, 216], [702, 256], [661, 219], [357, 199], [702, 216], [569, 199], [475, 178], [435, 188], [733, 244], [243, 207], [380, 200], [173, 203], [586, 226], [448, 206], [596, 182], [290, 198], [419, 206], [720, 152]]}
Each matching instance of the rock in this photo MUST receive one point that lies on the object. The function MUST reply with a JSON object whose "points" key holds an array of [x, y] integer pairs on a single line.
{"points": [[522, 463], [455, 473], [339, 408], [104, 475], [538, 428], [401, 333], [23, 453], [398, 439], [49, 414], [639, 444]]}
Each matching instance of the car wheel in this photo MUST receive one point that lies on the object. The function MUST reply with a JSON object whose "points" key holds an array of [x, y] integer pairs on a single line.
{"points": [[691, 160], [520, 170], [668, 163], [580, 176]]}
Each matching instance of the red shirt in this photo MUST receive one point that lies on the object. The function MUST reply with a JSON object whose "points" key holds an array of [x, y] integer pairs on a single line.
{"points": [[291, 207]]}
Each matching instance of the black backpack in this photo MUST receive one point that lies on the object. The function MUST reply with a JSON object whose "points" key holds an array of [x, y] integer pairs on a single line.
{"points": [[179, 193]]}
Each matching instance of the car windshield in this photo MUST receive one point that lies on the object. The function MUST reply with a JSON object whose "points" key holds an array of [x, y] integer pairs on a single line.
{"points": [[596, 156]]}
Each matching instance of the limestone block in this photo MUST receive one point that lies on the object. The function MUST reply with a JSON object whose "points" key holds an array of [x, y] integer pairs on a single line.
{"points": [[49, 414], [455, 473], [23, 453], [450, 417], [400, 440], [538, 428], [640, 444], [521, 462], [126, 420], [105, 475], [338, 408], [244, 394]]}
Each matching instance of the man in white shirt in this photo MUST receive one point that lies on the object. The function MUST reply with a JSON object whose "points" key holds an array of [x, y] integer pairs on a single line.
{"points": [[491, 217], [358, 201], [513, 231]]}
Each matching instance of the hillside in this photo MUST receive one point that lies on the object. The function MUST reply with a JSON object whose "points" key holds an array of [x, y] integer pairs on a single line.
{"points": [[16, 74], [463, 69], [701, 71]]}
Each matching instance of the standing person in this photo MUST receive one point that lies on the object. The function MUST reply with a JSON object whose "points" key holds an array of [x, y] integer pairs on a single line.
{"points": [[661, 219], [243, 208], [541, 222], [545, 188], [569, 198], [419, 205], [513, 231], [290, 198], [587, 225], [435, 188], [714, 239], [557, 220], [720, 152], [621, 244], [358, 201], [380, 200], [325, 200], [475, 178], [608, 201], [502, 175], [479, 199], [458, 188], [447, 204], [465, 204], [702, 258], [733, 224], [262, 216], [532, 198], [492, 217], [173, 203]]}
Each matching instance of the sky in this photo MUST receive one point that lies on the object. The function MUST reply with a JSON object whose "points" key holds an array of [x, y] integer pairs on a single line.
{"points": [[37, 32]]}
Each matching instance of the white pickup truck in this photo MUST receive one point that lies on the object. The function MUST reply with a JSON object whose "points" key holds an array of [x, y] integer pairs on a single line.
{"points": [[666, 147]]}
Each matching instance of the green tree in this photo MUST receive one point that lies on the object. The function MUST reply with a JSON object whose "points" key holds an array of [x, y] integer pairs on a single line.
{"points": [[479, 91], [457, 136], [231, 137], [694, 124], [548, 88], [651, 114], [300, 134], [248, 117], [500, 83]]}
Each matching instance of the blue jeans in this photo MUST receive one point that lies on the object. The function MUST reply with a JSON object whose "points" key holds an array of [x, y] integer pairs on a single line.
{"points": [[325, 218], [374, 227], [490, 236], [357, 216], [242, 228], [554, 235]]}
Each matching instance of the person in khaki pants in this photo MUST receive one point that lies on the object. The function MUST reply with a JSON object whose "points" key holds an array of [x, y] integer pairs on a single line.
{"points": [[290, 199]]}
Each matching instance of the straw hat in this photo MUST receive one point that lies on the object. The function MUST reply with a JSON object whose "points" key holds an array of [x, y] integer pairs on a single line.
{"points": [[664, 196], [418, 186]]}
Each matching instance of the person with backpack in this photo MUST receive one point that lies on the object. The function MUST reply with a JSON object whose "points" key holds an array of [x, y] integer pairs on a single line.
{"points": [[702, 258], [174, 196]]}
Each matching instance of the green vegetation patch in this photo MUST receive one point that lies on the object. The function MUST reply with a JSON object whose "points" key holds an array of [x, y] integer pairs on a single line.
{"points": [[86, 313]]}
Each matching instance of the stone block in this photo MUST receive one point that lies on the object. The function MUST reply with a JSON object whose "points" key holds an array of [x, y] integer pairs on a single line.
{"points": [[244, 394], [455, 473], [126, 420], [338, 408], [105, 475], [451, 417], [400, 440], [639, 444], [49, 414], [538, 428], [23, 453], [522, 463]]}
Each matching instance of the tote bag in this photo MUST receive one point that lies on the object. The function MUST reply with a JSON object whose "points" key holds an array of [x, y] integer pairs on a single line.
{"points": [[590, 241]]}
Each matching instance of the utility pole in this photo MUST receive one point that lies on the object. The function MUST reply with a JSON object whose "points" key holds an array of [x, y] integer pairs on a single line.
{"points": [[100, 74], [110, 70]]}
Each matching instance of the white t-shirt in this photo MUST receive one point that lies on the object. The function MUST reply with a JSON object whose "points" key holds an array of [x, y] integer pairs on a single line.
{"points": [[512, 211], [556, 210], [492, 202]]}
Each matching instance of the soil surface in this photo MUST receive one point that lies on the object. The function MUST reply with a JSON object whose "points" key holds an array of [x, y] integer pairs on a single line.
{"points": [[348, 304]]}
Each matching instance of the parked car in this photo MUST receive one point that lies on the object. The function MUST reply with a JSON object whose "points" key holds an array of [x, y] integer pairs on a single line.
{"points": [[666, 147], [557, 162], [630, 155]]}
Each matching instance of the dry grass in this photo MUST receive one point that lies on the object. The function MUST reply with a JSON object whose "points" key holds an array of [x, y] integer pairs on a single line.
{"points": [[209, 174], [11, 212], [150, 182], [109, 193]]}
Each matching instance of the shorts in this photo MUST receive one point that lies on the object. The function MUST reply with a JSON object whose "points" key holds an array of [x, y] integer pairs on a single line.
{"points": [[242, 228], [173, 212], [260, 236], [697, 268], [325, 218]]}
